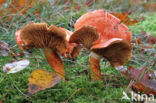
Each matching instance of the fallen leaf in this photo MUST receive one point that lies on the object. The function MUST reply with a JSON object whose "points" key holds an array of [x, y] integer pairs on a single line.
{"points": [[18, 54], [4, 53], [2, 2], [137, 2], [19, 6], [3, 45], [15, 66], [58, 2], [138, 40], [40, 80], [149, 37], [71, 5], [4, 48], [139, 74], [146, 89], [150, 6], [147, 48], [89, 3], [124, 17], [142, 83], [22, 3]]}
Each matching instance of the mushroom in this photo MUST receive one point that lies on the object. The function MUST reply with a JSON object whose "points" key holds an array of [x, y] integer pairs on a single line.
{"points": [[51, 39], [105, 36], [73, 48]]}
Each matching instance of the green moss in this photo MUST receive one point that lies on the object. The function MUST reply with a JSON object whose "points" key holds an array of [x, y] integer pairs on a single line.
{"points": [[148, 25]]}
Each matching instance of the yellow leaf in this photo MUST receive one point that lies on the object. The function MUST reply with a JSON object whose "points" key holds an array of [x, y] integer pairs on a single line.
{"points": [[40, 80]]}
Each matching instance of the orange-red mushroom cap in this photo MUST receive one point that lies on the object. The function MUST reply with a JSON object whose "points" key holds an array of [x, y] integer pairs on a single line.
{"points": [[107, 25], [114, 38]]}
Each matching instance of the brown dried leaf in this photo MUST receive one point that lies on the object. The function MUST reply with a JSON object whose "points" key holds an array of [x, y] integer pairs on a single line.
{"points": [[136, 2], [58, 2], [4, 48], [138, 40], [2, 2], [146, 89], [19, 54], [89, 3], [140, 75], [19, 6], [4, 53], [150, 6], [143, 82], [40, 80], [3, 45], [149, 37], [124, 17]]}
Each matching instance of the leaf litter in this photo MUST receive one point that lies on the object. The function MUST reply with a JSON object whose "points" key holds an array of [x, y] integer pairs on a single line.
{"points": [[16, 66], [41, 79]]}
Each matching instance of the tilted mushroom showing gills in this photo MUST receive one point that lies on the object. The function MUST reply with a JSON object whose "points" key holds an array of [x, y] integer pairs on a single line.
{"points": [[51, 39], [105, 36], [73, 48]]}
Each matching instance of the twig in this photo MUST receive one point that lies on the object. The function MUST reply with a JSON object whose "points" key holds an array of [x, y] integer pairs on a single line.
{"points": [[109, 75], [129, 85], [18, 88], [13, 53], [74, 94], [2, 78], [77, 63], [3, 97]]}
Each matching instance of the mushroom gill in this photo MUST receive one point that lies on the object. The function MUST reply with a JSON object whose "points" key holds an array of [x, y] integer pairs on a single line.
{"points": [[85, 35], [38, 35]]}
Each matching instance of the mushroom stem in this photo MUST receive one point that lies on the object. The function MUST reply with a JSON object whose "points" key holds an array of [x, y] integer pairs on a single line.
{"points": [[55, 62], [94, 62], [76, 51]]}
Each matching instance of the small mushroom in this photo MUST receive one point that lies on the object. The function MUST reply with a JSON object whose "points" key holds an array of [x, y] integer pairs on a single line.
{"points": [[51, 39], [73, 48], [105, 36]]}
